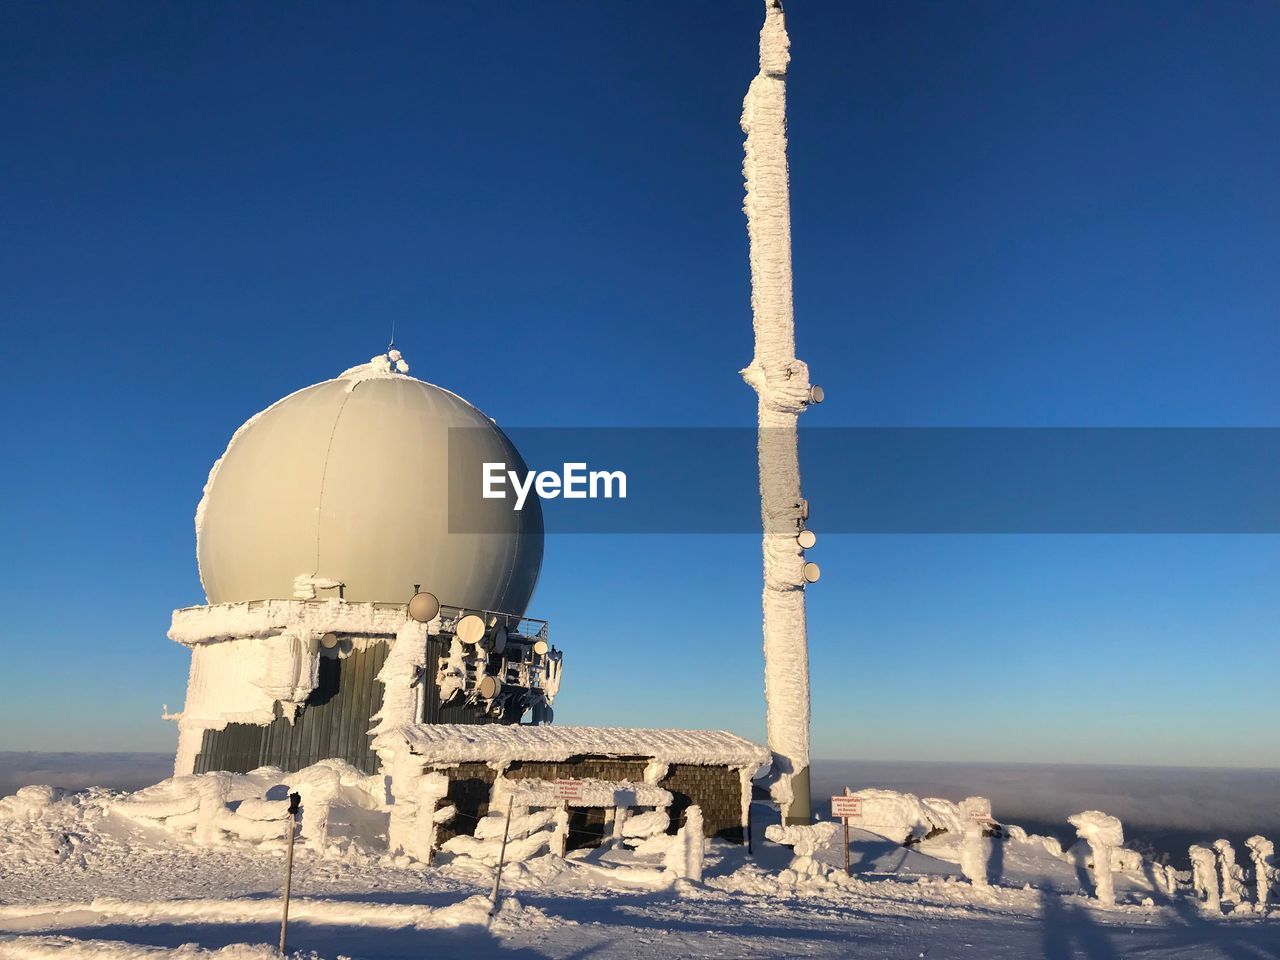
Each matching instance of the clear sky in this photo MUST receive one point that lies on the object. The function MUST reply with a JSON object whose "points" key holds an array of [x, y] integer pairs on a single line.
{"points": [[1051, 214]]}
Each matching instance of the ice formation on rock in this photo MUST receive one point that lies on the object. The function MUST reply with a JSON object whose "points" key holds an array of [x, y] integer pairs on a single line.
{"points": [[1104, 834], [782, 386], [805, 840], [1262, 850], [1232, 873], [1204, 877]]}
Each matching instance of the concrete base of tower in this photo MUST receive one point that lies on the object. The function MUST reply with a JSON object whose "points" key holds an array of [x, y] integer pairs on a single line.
{"points": [[800, 810]]}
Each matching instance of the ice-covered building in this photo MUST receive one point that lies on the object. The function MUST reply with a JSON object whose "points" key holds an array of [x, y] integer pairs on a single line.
{"points": [[325, 515], [355, 613]]}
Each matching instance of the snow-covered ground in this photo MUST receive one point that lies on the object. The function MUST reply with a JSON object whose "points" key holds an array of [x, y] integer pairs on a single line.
{"points": [[81, 878]]}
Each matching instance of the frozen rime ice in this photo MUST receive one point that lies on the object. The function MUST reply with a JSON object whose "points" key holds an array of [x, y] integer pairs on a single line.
{"points": [[210, 839], [305, 586], [242, 681], [592, 793], [1104, 834], [686, 852], [250, 660], [1232, 873], [1204, 877], [214, 808], [782, 386], [805, 840], [974, 849], [450, 743], [1262, 850], [904, 816]]}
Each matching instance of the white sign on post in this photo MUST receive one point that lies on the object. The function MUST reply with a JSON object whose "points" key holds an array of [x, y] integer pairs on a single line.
{"points": [[844, 807], [568, 789]]}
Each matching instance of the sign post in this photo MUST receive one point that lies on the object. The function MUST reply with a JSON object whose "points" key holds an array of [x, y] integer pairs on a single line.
{"points": [[502, 856], [845, 807], [294, 801], [567, 790]]}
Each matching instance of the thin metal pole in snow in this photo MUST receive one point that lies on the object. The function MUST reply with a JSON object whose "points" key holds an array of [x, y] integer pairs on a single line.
{"points": [[294, 801], [847, 871], [502, 855]]}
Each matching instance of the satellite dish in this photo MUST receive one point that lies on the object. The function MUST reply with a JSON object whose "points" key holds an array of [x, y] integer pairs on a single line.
{"points": [[489, 687], [812, 572], [817, 394], [540, 647], [807, 539], [423, 607], [498, 638], [470, 629], [329, 641]]}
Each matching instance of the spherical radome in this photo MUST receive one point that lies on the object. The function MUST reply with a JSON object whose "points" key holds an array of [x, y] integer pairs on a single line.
{"points": [[346, 482]]}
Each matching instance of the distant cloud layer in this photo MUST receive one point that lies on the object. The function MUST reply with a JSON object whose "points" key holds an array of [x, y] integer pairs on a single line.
{"points": [[119, 771]]}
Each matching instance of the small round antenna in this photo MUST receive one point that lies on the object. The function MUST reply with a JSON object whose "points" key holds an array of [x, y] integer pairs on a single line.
{"points": [[470, 629], [423, 607]]}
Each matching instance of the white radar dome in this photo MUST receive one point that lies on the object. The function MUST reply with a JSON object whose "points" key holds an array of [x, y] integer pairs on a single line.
{"points": [[342, 488]]}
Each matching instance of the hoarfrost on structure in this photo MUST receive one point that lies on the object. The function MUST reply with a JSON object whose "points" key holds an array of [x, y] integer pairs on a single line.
{"points": [[1232, 873], [782, 387], [1262, 850], [1204, 877], [1104, 834]]}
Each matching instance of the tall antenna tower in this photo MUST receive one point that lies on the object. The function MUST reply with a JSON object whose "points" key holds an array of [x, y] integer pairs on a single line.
{"points": [[781, 383]]}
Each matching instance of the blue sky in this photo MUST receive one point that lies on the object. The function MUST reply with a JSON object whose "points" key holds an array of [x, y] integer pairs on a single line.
{"points": [[1004, 214]]}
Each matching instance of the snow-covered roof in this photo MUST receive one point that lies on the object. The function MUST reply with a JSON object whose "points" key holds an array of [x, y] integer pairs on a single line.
{"points": [[446, 743]]}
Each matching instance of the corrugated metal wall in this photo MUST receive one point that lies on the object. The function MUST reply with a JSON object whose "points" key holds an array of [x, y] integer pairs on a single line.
{"points": [[334, 722]]}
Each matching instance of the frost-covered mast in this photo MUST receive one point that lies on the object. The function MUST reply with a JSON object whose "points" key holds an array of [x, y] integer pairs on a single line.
{"points": [[782, 385]]}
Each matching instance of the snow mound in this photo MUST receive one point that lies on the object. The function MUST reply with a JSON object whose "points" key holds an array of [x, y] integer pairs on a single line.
{"points": [[340, 805], [29, 802]]}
